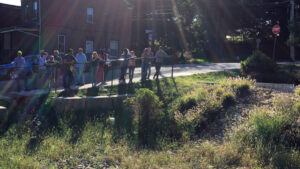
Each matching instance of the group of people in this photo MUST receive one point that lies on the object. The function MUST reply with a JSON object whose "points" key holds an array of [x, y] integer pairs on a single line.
{"points": [[147, 58], [47, 71]]}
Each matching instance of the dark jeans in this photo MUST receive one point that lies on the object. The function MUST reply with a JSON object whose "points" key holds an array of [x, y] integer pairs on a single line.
{"points": [[68, 79], [157, 68], [131, 72], [123, 73], [145, 69], [94, 70], [106, 69]]}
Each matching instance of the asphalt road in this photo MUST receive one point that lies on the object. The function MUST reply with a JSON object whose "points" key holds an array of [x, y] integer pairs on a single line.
{"points": [[166, 71], [179, 70]]}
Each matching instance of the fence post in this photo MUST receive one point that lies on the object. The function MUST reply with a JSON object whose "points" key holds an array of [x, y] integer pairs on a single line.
{"points": [[172, 66], [112, 78], [55, 77]]}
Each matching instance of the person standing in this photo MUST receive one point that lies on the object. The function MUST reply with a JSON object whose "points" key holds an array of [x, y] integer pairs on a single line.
{"points": [[81, 61], [131, 65], [149, 65], [35, 70], [158, 61], [19, 71], [94, 67], [58, 71], [106, 66], [146, 63], [124, 65], [100, 72], [69, 60], [43, 69], [51, 63]]}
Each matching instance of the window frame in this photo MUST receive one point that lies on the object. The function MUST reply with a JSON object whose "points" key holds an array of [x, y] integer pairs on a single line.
{"points": [[58, 43], [86, 47], [88, 14], [35, 10], [114, 51]]}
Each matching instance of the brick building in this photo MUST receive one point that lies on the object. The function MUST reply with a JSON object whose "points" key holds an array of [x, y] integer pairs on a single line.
{"points": [[90, 24]]}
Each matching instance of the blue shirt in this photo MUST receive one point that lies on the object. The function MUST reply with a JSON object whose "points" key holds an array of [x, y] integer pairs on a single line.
{"points": [[81, 58], [42, 62], [126, 58], [19, 62]]}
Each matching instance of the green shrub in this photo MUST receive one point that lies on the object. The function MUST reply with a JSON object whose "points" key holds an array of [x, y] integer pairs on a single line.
{"points": [[297, 107], [260, 67], [201, 94], [149, 116], [228, 99], [219, 91], [241, 86], [297, 92], [187, 102]]}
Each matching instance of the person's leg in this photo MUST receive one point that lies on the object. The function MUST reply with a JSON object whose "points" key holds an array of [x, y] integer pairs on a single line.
{"points": [[105, 73], [157, 70], [77, 75], [121, 74], [95, 75], [102, 74], [82, 81], [98, 74], [130, 73], [149, 71], [144, 73]]}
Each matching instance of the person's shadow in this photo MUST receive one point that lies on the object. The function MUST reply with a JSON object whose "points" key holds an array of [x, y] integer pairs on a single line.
{"points": [[68, 93], [147, 84], [122, 88], [93, 91]]}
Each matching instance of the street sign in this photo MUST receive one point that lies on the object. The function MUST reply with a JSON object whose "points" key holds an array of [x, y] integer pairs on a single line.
{"points": [[276, 29], [148, 31]]}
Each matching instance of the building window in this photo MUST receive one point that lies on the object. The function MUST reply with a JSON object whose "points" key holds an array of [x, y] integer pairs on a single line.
{"points": [[35, 9], [89, 46], [114, 48], [61, 43], [90, 15]]}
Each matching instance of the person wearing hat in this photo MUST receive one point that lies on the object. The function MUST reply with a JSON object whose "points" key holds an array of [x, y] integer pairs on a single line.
{"points": [[68, 61], [19, 71]]}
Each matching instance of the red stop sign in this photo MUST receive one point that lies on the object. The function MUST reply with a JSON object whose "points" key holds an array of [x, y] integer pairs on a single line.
{"points": [[276, 29]]}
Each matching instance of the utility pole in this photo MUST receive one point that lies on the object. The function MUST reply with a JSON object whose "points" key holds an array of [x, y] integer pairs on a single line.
{"points": [[292, 34], [40, 25]]}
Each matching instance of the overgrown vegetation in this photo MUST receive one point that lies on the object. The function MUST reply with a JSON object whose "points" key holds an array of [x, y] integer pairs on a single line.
{"points": [[262, 68], [161, 128]]}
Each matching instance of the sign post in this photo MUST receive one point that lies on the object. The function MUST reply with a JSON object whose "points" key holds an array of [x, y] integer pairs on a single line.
{"points": [[276, 31]]}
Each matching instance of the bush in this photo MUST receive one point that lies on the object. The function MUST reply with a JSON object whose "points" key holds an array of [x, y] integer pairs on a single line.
{"points": [[241, 86], [187, 102], [297, 107], [260, 67], [228, 99], [148, 115], [297, 92]]}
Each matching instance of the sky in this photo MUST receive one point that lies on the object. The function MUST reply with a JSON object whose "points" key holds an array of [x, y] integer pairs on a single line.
{"points": [[11, 2]]}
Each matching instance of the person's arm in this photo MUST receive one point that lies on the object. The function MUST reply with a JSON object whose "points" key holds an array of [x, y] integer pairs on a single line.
{"points": [[85, 59], [74, 60]]}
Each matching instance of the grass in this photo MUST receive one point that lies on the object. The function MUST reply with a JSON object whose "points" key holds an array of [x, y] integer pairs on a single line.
{"points": [[266, 140]]}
